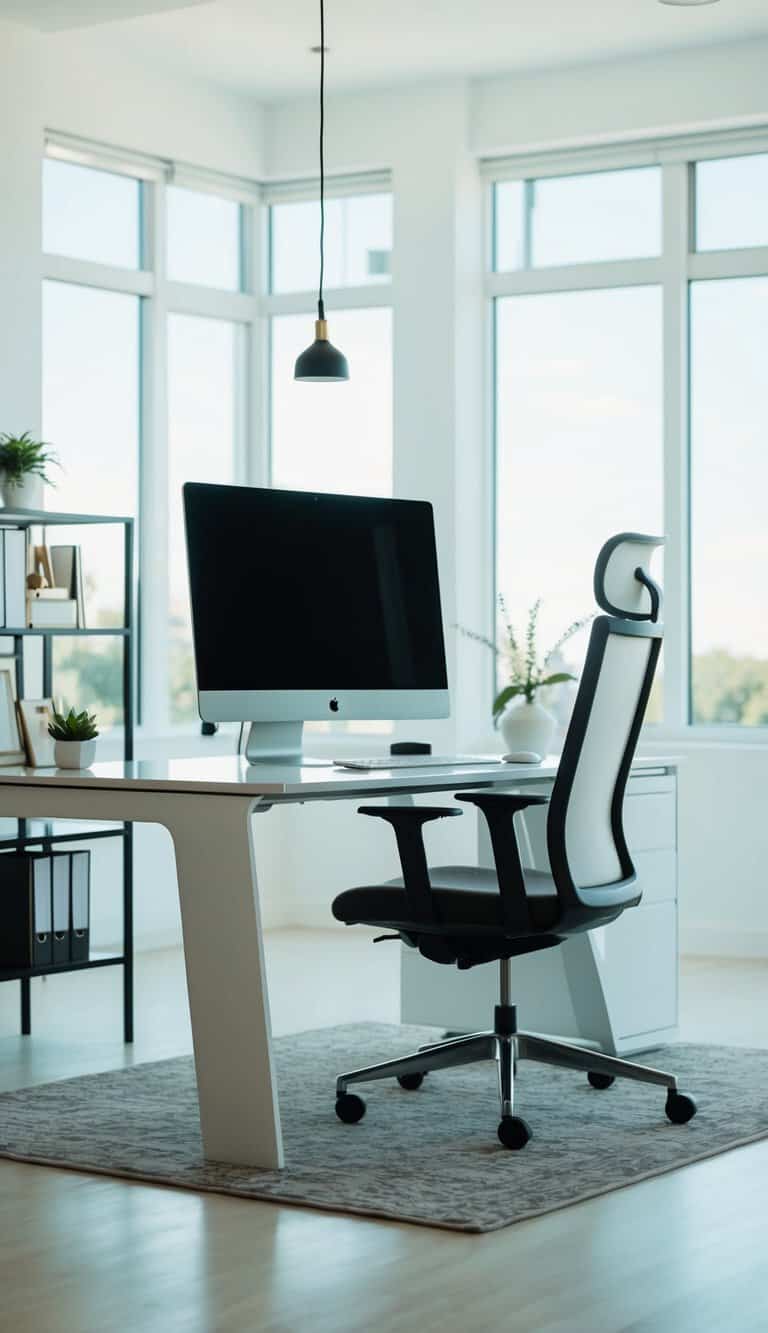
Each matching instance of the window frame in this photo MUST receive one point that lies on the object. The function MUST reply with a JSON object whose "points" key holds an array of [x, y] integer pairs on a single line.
{"points": [[159, 297], [678, 265], [251, 309], [376, 295]]}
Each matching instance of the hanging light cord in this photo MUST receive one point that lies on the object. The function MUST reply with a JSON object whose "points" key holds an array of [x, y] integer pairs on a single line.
{"points": [[320, 306]]}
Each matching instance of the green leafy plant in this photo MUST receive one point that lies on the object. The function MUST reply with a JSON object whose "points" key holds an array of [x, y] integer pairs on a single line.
{"points": [[73, 727], [22, 456], [525, 671]]}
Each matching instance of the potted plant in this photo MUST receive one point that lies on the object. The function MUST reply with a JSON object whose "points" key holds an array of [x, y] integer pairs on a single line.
{"points": [[23, 470], [525, 723], [75, 737]]}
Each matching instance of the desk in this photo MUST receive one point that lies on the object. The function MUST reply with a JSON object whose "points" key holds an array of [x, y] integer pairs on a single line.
{"points": [[206, 805]]}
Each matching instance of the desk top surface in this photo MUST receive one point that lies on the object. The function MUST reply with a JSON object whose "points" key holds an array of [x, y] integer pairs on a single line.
{"points": [[231, 774]]}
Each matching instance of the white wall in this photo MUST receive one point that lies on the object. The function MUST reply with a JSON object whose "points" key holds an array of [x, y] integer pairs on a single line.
{"points": [[20, 230], [429, 137], [681, 92], [138, 107]]}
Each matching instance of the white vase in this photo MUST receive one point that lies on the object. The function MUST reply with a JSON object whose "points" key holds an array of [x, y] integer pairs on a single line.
{"points": [[24, 494], [527, 726], [74, 754]]}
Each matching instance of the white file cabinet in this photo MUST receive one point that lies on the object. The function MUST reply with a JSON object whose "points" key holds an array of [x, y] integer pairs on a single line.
{"points": [[615, 986]]}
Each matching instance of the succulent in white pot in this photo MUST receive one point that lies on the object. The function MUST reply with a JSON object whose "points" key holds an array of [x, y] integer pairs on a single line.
{"points": [[24, 464], [523, 720], [74, 735]]}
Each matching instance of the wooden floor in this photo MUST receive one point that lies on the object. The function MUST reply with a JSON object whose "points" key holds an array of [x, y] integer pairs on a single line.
{"points": [[81, 1254]]}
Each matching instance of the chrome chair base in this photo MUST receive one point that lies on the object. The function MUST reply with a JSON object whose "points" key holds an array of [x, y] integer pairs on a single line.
{"points": [[506, 1046]]}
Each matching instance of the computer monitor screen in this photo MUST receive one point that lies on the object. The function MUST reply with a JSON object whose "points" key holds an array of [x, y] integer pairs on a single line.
{"points": [[309, 606]]}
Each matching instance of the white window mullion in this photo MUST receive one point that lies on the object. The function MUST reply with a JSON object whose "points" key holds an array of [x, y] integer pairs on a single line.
{"points": [[336, 298], [576, 277], [85, 273], [186, 298], [256, 263], [153, 513], [676, 192]]}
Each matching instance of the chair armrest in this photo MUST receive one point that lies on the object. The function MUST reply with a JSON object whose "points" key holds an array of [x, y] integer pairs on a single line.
{"points": [[505, 802], [408, 814], [499, 809], [408, 822]]}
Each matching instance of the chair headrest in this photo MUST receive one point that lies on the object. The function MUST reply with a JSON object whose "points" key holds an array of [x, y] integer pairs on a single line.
{"points": [[623, 584]]}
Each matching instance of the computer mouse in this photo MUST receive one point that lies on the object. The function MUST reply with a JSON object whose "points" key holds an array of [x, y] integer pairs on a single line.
{"points": [[521, 757]]}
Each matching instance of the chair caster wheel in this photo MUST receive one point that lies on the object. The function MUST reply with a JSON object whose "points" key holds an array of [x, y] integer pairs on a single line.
{"points": [[514, 1132], [349, 1108], [680, 1108], [410, 1081], [601, 1080]]}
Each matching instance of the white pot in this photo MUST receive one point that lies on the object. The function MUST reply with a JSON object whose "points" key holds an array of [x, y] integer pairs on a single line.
{"points": [[24, 494], [527, 726], [74, 754]]}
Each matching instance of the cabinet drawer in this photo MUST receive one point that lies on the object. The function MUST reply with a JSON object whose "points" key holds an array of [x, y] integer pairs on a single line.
{"points": [[650, 822], [657, 875], [637, 960]]}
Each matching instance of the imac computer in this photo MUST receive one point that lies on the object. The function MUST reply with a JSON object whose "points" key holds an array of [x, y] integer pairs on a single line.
{"points": [[308, 607]]}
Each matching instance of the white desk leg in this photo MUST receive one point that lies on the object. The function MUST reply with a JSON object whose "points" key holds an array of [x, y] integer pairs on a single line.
{"points": [[226, 979]]}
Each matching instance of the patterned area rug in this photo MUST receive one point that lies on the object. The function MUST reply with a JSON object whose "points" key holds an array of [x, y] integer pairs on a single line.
{"points": [[429, 1156]]}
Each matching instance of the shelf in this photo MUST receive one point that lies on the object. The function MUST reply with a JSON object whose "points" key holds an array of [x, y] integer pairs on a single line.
{"points": [[55, 831], [49, 969], [11, 633], [29, 518]]}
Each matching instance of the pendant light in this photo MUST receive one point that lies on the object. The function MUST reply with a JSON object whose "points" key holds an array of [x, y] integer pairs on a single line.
{"points": [[321, 362]]}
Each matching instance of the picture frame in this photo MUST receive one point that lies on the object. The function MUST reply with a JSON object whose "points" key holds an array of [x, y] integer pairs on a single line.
{"points": [[35, 714], [12, 750]]}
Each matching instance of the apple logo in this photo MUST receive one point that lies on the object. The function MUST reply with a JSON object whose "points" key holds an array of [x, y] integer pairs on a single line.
{"points": [[333, 704]]}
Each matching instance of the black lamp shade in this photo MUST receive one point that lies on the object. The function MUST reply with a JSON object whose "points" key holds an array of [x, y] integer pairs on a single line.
{"points": [[321, 361]]}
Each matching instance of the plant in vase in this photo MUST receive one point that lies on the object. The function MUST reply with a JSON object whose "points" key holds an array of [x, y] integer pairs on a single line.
{"points": [[524, 722], [24, 464], [75, 736]]}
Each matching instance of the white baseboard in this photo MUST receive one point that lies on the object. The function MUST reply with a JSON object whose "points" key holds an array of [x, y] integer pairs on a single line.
{"points": [[715, 942]]}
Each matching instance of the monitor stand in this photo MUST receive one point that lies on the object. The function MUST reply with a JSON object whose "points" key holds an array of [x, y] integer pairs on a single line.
{"points": [[279, 743]]}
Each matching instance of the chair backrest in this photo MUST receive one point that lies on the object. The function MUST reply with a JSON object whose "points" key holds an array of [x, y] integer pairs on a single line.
{"points": [[588, 853]]}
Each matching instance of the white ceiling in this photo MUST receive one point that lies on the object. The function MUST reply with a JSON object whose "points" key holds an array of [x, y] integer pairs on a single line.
{"points": [[260, 47]]}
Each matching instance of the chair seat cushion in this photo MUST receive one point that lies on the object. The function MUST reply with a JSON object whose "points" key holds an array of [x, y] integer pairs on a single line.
{"points": [[467, 900]]}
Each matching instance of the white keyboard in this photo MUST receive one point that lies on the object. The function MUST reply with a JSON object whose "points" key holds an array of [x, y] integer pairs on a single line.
{"points": [[418, 761]]}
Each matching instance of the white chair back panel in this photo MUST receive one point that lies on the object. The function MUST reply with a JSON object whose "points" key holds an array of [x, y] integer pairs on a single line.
{"points": [[589, 844]]}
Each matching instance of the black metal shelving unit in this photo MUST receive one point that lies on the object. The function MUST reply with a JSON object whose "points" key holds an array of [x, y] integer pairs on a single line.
{"points": [[50, 833]]}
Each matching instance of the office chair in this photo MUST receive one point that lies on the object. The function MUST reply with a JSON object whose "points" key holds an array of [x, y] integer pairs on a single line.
{"points": [[467, 915]]}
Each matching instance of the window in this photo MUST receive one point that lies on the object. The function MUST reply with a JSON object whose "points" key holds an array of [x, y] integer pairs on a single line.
{"points": [[613, 386], [579, 445], [202, 402], [91, 414], [729, 479], [578, 219], [358, 242], [337, 437], [92, 215], [732, 202], [121, 344], [204, 240]]}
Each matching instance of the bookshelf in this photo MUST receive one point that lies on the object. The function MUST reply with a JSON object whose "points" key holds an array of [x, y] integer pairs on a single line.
{"points": [[47, 834]]}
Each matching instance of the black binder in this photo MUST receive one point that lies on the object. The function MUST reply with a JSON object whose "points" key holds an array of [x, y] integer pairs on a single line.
{"points": [[81, 907], [25, 910], [60, 862]]}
